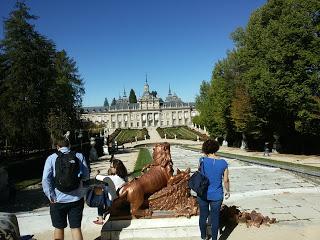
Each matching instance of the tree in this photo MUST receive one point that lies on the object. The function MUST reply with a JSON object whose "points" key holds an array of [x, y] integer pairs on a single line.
{"points": [[106, 103], [114, 102], [27, 76], [203, 105], [154, 93], [215, 98], [69, 87], [270, 83], [281, 46], [37, 84], [132, 97]]}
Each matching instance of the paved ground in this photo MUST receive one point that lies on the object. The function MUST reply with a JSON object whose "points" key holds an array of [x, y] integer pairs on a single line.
{"points": [[293, 200]]}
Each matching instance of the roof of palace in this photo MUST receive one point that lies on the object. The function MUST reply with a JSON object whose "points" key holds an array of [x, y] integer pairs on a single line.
{"points": [[122, 103]]}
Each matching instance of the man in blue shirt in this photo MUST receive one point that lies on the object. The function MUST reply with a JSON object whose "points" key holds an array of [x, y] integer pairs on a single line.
{"points": [[64, 204]]}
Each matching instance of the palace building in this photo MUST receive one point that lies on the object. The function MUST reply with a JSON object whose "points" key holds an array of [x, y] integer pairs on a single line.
{"points": [[149, 111]]}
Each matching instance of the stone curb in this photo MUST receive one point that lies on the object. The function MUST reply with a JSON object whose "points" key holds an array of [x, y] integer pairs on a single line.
{"points": [[275, 163]]}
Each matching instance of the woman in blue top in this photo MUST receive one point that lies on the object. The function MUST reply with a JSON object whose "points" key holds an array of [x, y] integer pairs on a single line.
{"points": [[215, 170]]}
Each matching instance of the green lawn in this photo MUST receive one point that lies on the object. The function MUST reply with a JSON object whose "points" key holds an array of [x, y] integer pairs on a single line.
{"points": [[128, 135], [143, 159]]}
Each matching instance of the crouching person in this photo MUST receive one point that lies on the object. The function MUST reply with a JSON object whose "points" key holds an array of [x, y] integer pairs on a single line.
{"points": [[114, 181], [62, 178]]}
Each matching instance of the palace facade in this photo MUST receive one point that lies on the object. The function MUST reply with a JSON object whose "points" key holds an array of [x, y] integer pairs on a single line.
{"points": [[149, 111]]}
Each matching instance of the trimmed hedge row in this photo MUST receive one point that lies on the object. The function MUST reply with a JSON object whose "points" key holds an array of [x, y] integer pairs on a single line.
{"points": [[181, 132]]}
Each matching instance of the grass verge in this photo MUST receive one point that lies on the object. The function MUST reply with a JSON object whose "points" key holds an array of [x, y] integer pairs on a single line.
{"points": [[143, 159], [26, 183]]}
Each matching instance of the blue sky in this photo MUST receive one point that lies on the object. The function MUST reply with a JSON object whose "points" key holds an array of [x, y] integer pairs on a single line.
{"points": [[117, 42]]}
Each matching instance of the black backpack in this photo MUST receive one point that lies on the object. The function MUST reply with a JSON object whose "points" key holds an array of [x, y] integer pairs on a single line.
{"points": [[67, 169]]}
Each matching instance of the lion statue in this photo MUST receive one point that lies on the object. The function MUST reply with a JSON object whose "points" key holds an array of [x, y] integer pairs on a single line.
{"points": [[158, 175]]}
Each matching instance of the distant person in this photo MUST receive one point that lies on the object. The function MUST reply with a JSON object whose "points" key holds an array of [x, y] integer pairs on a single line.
{"points": [[266, 151], [110, 145], [116, 178], [93, 154], [62, 178], [215, 169]]}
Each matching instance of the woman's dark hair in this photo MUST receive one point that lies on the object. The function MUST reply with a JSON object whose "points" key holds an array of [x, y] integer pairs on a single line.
{"points": [[210, 146], [121, 170]]}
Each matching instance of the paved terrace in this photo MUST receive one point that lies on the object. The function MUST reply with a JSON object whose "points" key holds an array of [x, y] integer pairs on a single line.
{"points": [[293, 200]]}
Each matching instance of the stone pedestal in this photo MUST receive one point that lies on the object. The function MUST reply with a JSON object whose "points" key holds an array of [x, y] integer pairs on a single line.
{"points": [[276, 144], [244, 145], [9, 227], [160, 228]]}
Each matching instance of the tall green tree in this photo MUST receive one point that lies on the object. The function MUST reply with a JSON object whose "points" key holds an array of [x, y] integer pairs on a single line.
{"points": [[154, 93], [27, 76], [106, 103], [114, 102], [132, 97], [203, 104], [69, 87], [270, 83], [282, 48], [38, 85], [214, 101]]}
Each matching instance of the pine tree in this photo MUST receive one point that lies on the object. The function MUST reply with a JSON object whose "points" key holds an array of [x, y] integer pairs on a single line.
{"points": [[27, 77], [106, 103], [154, 93], [132, 97], [69, 87], [114, 102], [40, 89]]}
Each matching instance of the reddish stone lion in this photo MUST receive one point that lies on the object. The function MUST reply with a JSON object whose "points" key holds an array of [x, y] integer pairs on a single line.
{"points": [[158, 176]]}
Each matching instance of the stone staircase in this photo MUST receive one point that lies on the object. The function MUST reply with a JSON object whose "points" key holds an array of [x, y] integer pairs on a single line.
{"points": [[154, 135]]}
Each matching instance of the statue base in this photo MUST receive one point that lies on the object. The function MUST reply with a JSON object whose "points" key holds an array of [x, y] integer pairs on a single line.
{"points": [[160, 227]]}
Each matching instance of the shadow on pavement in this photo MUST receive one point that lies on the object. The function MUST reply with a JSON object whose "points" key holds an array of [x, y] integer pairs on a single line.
{"points": [[26, 200], [112, 231], [226, 231]]}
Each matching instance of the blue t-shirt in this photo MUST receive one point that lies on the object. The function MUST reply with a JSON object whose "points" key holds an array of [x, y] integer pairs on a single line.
{"points": [[214, 169]]}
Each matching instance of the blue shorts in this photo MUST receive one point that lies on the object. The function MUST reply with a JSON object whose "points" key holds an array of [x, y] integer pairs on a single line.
{"points": [[59, 213]]}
